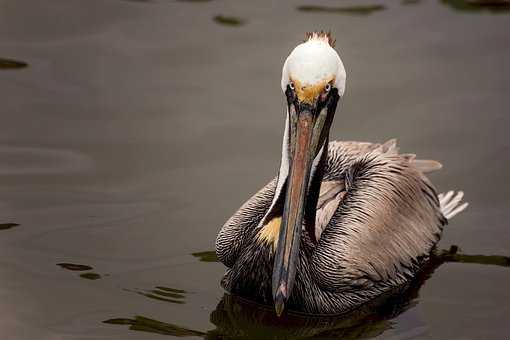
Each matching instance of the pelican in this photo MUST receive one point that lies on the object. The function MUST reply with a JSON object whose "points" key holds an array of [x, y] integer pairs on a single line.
{"points": [[343, 222]]}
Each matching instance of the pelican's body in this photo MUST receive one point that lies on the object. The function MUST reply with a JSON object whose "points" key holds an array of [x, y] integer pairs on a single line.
{"points": [[343, 222]]}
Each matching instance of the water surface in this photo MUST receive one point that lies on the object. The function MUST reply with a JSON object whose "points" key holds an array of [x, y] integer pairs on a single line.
{"points": [[131, 130]]}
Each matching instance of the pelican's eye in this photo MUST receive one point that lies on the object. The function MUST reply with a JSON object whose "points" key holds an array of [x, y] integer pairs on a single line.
{"points": [[291, 85], [327, 88]]}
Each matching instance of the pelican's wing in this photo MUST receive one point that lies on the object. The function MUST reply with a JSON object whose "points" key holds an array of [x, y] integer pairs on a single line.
{"points": [[341, 157], [388, 219], [232, 234]]}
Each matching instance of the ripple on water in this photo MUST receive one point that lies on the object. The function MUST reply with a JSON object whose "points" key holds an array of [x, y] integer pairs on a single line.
{"points": [[228, 20], [492, 6], [162, 293], [35, 160], [5, 226], [352, 10], [410, 2], [74, 266], [80, 268], [144, 324], [235, 317], [90, 276], [11, 64]]}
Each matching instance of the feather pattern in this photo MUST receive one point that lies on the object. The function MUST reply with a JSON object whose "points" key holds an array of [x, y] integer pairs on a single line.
{"points": [[234, 232], [378, 218]]}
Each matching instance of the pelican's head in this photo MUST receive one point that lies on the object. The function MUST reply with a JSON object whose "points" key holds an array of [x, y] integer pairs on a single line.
{"points": [[313, 68], [313, 80]]}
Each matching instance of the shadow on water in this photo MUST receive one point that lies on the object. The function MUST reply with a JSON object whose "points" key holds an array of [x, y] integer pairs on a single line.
{"points": [[235, 317], [162, 293], [5, 226], [352, 10], [492, 6], [11, 64]]}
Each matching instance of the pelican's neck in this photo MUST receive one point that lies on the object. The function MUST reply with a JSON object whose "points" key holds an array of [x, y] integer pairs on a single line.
{"points": [[270, 223]]}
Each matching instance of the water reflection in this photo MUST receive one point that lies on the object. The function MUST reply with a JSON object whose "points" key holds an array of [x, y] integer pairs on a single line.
{"points": [[9, 64], [162, 293], [237, 318], [228, 20], [5, 226], [353, 10], [453, 255], [492, 6]]}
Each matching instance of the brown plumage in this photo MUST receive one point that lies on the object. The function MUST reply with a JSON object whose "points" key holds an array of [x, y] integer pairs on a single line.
{"points": [[378, 218], [344, 221]]}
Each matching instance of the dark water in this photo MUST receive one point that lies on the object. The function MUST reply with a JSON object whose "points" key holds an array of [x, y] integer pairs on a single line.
{"points": [[131, 130]]}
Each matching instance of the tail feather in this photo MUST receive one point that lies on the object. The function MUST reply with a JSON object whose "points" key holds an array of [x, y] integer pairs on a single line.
{"points": [[427, 165], [423, 165], [451, 203], [389, 146]]}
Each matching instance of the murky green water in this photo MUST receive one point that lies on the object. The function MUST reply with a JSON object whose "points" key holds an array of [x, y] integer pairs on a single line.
{"points": [[131, 130]]}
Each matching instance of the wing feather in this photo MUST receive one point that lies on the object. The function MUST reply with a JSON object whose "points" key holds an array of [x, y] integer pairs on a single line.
{"points": [[388, 219], [230, 238]]}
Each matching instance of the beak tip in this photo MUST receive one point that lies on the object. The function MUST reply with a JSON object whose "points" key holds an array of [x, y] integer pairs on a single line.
{"points": [[279, 303], [279, 307]]}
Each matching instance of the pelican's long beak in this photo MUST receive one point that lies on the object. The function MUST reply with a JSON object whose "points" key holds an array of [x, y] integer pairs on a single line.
{"points": [[309, 127]]}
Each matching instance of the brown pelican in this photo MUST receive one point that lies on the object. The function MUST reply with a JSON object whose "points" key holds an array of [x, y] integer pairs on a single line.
{"points": [[343, 222]]}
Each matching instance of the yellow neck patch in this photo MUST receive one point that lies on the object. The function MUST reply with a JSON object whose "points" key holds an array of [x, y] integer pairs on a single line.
{"points": [[270, 232], [309, 93]]}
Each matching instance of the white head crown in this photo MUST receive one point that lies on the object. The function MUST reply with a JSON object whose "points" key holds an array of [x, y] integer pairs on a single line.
{"points": [[313, 64]]}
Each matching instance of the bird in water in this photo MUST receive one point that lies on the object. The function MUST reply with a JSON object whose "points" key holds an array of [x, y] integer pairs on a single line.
{"points": [[343, 222]]}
